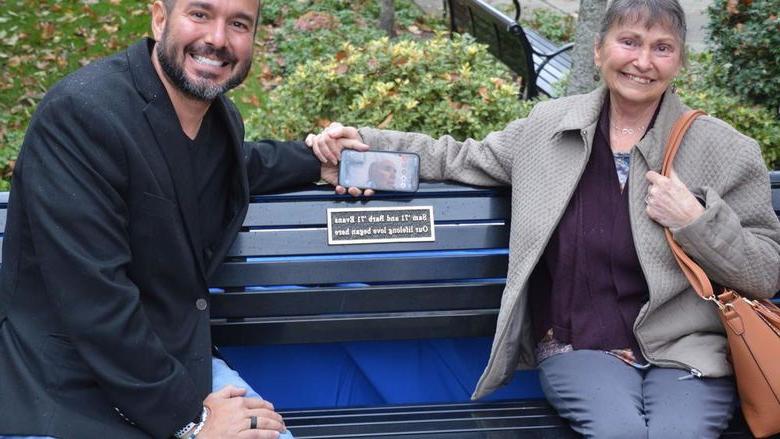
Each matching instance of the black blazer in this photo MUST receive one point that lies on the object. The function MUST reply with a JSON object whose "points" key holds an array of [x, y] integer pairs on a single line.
{"points": [[102, 291]]}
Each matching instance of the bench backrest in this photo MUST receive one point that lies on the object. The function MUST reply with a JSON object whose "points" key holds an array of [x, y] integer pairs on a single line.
{"points": [[283, 283]]}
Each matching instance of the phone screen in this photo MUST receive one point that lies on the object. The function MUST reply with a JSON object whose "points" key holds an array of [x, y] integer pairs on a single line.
{"points": [[380, 170]]}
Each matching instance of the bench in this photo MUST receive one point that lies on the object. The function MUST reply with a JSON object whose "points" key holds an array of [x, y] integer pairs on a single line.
{"points": [[285, 304], [389, 296], [540, 63]]}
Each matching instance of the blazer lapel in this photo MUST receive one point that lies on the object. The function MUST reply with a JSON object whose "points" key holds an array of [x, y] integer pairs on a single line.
{"points": [[163, 122], [239, 197], [176, 152]]}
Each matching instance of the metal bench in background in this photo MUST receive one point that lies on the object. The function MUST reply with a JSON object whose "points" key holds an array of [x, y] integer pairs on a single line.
{"points": [[540, 63]]}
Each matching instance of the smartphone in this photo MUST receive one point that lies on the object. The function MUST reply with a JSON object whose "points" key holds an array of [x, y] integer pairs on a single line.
{"points": [[380, 170]]}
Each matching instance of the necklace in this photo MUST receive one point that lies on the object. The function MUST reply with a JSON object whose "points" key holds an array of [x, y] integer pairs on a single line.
{"points": [[626, 131]]}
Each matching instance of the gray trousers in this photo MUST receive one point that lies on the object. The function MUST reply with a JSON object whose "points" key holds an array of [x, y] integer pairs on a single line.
{"points": [[603, 397]]}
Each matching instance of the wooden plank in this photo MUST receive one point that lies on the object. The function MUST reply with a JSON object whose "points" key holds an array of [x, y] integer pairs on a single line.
{"points": [[369, 299], [289, 242], [355, 327], [305, 213], [387, 269]]}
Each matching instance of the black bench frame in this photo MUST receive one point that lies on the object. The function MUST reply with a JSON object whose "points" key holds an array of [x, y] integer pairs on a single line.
{"points": [[524, 51]]}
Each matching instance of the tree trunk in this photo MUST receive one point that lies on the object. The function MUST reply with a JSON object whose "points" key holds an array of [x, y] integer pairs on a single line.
{"points": [[387, 17], [583, 74]]}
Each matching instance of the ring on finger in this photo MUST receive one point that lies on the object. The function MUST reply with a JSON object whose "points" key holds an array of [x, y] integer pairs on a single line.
{"points": [[252, 422]]}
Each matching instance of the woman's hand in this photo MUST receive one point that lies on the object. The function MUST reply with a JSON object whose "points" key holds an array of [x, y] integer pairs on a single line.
{"points": [[669, 202], [327, 147]]}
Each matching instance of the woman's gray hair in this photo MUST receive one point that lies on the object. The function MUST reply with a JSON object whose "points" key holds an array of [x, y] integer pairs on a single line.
{"points": [[668, 13]]}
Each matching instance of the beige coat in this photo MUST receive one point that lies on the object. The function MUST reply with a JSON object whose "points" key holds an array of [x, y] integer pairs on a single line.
{"points": [[736, 240]]}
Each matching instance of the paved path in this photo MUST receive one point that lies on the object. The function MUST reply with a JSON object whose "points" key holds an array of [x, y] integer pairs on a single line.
{"points": [[695, 12]]}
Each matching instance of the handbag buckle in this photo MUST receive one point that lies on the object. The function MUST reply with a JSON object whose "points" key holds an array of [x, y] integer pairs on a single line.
{"points": [[717, 301]]}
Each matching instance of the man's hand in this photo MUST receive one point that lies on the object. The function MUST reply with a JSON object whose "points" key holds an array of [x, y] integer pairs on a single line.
{"points": [[230, 416], [327, 147], [328, 144], [669, 202]]}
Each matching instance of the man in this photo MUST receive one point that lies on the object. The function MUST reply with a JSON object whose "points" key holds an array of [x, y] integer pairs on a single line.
{"points": [[132, 183]]}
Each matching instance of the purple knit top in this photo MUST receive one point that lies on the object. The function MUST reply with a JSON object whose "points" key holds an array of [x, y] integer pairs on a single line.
{"points": [[588, 286]]}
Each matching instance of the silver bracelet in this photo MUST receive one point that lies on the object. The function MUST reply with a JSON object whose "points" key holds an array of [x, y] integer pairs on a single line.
{"points": [[182, 432], [202, 422], [193, 428]]}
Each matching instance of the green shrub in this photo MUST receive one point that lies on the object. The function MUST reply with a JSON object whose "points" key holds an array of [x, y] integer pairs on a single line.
{"points": [[306, 30], [439, 86], [745, 37], [697, 88], [553, 25]]}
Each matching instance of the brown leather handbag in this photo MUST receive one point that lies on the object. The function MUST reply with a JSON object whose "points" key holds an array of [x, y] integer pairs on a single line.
{"points": [[752, 326]]}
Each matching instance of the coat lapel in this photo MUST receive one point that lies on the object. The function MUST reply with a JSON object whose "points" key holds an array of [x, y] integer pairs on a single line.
{"points": [[161, 116], [652, 146], [239, 197], [179, 160]]}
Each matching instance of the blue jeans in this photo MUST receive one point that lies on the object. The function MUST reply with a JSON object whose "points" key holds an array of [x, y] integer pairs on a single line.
{"points": [[222, 375]]}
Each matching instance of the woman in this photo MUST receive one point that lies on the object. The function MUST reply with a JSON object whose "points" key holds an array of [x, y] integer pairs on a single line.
{"points": [[594, 297]]}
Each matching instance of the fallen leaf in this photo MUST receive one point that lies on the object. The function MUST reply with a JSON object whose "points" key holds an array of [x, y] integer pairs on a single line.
{"points": [[400, 61], [385, 123]]}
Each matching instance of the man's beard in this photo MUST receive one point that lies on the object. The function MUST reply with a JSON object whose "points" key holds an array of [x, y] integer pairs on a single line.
{"points": [[202, 88]]}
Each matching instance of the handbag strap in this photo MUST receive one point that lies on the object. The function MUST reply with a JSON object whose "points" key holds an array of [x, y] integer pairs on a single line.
{"points": [[695, 274]]}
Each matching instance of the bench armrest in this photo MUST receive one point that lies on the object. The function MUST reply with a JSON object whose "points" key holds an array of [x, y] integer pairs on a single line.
{"points": [[549, 56]]}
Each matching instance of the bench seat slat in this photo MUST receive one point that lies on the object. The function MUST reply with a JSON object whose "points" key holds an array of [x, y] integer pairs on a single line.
{"points": [[438, 426], [431, 409]]}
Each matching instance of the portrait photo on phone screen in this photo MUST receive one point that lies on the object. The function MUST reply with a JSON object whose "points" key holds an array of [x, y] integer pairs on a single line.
{"points": [[380, 170]]}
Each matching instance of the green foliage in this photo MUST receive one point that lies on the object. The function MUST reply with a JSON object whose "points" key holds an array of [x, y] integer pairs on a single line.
{"points": [[553, 25], [745, 37], [439, 86], [43, 40], [697, 88], [306, 30]]}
